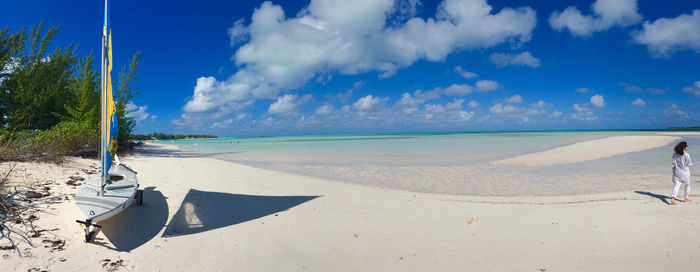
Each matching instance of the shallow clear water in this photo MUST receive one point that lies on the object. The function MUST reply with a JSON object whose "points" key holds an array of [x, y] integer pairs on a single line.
{"points": [[443, 162]]}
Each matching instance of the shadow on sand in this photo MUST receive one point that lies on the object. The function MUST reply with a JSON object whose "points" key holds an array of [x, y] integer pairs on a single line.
{"points": [[663, 198], [202, 211], [136, 225]]}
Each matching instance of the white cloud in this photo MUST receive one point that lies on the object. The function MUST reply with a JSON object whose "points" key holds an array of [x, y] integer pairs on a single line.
{"points": [[223, 124], [409, 104], [541, 105], [369, 103], [598, 101], [283, 104], [636, 89], [154, 117], [638, 103], [456, 104], [516, 99], [606, 14], [238, 32], [138, 113], [287, 103], [352, 37], [474, 104], [347, 37], [584, 90], [458, 89], [463, 73], [693, 89], [667, 35], [583, 113], [500, 108], [325, 109], [524, 58], [555, 114], [487, 85], [503, 112]]}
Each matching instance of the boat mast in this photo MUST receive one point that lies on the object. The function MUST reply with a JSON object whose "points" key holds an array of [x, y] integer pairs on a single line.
{"points": [[103, 96]]}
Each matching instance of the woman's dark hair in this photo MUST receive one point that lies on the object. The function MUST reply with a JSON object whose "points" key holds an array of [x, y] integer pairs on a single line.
{"points": [[680, 147]]}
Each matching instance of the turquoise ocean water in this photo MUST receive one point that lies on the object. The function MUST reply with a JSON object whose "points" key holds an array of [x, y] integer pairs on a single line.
{"points": [[456, 163]]}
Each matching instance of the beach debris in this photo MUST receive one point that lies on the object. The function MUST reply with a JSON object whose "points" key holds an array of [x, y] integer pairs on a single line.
{"points": [[54, 244], [356, 235], [73, 183], [472, 219], [10, 247], [33, 194], [32, 218], [110, 266], [37, 233], [76, 178], [35, 269], [63, 260]]}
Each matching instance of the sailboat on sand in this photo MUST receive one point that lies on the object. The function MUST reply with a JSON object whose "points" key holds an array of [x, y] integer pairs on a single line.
{"points": [[105, 195]]}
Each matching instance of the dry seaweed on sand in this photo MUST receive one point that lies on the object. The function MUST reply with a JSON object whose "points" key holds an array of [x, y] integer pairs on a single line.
{"points": [[110, 266], [56, 244]]}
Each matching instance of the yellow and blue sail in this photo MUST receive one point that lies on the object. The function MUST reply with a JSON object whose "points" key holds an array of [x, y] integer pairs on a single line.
{"points": [[113, 126], [111, 129]]}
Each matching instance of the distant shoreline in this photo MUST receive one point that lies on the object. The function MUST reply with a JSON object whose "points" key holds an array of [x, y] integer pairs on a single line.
{"points": [[460, 132]]}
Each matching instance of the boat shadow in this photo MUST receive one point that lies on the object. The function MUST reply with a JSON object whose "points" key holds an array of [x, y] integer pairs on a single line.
{"points": [[202, 211], [663, 198], [136, 225]]}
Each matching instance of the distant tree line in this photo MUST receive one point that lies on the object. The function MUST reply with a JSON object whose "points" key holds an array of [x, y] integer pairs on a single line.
{"points": [[50, 96], [684, 128], [163, 136]]}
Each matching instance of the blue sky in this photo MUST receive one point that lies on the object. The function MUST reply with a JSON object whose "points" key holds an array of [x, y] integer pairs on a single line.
{"points": [[248, 68]]}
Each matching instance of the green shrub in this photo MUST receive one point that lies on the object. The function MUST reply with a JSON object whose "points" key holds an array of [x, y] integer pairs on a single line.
{"points": [[65, 138]]}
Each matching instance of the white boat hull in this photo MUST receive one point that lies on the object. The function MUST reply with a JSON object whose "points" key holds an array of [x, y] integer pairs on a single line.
{"points": [[120, 191]]}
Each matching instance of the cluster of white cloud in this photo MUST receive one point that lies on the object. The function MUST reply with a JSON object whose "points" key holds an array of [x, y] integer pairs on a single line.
{"points": [[347, 37], [607, 13], [278, 54], [288, 103], [662, 37], [524, 58], [586, 112], [463, 73], [516, 99], [508, 110], [138, 113], [584, 90], [639, 103], [666, 35], [410, 103], [637, 90], [693, 89]]}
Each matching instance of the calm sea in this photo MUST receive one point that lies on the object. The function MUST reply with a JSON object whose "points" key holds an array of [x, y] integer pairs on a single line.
{"points": [[441, 162]]}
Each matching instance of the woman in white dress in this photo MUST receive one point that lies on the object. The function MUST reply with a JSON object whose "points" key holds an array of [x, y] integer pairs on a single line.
{"points": [[681, 171]]}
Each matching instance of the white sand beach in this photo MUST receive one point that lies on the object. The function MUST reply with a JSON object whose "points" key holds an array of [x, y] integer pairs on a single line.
{"points": [[591, 150], [203, 214]]}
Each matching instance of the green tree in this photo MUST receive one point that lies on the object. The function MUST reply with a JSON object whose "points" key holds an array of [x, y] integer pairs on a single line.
{"points": [[38, 86], [126, 90], [85, 87], [10, 46]]}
